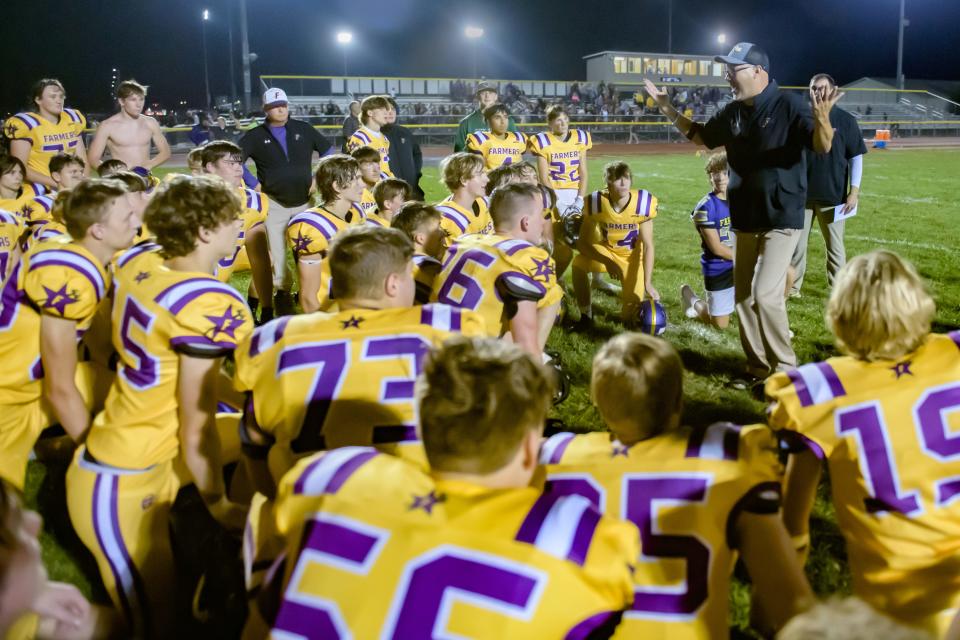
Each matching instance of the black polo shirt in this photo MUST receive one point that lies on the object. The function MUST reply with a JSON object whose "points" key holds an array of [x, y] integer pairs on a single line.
{"points": [[828, 173], [765, 143], [284, 177]]}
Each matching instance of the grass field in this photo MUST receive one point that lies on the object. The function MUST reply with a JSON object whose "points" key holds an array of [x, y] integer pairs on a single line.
{"points": [[908, 205]]}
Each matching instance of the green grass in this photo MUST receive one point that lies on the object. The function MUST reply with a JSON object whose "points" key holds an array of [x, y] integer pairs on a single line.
{"points": [[908, 205]]}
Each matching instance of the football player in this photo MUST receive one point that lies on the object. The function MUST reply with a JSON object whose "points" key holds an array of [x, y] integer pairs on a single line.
{"points": [[322, 381], [173, 324], [390, 195], [66, 172], [506, 276], [15, 194], [421, 224], [373, 115], [616, 237], [376, 548], [36, 136], [712, 219], [47, 304], [884, 418], [699, 496], [562, 159], [369, 161], [224, 159], [309, 233], [466, 210], [498, 145]]}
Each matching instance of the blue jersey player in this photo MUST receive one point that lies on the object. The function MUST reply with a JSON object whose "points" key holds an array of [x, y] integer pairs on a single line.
{"points": [[712, 219]]}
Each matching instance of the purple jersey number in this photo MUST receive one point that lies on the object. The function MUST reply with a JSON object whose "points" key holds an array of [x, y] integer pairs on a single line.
{"points": [[641, 493], [331, 360], [472, 291], [877, 463], [144, 374], [629, 240], [341, 544], [435, 581]]}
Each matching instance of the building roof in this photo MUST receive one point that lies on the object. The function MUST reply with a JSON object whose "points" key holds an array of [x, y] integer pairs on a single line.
{"points": [[687, 56], [940, 87]]}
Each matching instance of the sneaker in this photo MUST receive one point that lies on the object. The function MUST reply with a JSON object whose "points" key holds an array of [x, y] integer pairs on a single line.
{"points": [[794, 293], [283, 303], [688, 301], [601, 284], [744, 383]]}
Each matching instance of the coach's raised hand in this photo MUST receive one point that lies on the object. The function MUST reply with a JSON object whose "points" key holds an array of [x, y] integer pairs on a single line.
{"points": [[660, 95], [683, 124], [822, 102]]}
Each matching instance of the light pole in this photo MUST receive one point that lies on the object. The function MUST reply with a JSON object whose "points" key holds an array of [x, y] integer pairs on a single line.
{"points": [[669, 26], [474, 34], [903, 23], [344, 38], [206, 70], [245, 57], [721, 41]]}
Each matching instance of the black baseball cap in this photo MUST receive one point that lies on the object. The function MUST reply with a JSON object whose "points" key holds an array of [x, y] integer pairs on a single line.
{"points": [[486, 86], [746, 53]]}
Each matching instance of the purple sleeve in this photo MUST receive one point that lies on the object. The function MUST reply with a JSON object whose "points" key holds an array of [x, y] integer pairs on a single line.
{"points": [[249, 179]]}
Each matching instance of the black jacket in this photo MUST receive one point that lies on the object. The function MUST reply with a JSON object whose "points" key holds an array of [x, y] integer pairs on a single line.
{"points": [[284, 177], [406, 159]]}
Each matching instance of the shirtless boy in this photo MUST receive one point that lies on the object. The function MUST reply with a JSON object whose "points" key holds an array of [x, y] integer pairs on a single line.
{"points": [[128, 134]]}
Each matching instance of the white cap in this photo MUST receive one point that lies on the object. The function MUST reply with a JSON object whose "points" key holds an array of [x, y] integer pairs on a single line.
{"points": [[274, 97]]}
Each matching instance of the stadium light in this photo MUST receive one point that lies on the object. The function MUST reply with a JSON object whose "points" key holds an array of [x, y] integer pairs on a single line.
{"points": [[473, 35], [206, 14], [721, 41], [344, 38]]}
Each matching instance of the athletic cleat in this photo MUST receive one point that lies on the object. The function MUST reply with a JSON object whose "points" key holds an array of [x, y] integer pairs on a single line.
{"points": [[601, 284], [688, 301]]}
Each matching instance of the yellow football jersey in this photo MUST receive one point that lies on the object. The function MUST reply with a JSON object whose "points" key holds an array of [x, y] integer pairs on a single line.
{"points": [[495, 150], [22, 203], [448, 559], [372, 217], [327, 380], [38, 208], [888, 432], [491, 273], [683, 490], [562, 155], [368, 204], [46, 230], [46, 138], [310, 232], [370, 138], [59, 278], [618, 230], [255, 208], [159, 314], [458, 221], [11, 228], [425, 270]]}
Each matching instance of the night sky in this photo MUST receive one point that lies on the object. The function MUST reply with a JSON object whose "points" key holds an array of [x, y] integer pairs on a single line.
{"points": [[159, 43]]}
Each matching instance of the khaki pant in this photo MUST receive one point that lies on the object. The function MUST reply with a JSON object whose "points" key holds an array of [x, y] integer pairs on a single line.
{"points": [[760, 276], [833, 239], [277, 218]]}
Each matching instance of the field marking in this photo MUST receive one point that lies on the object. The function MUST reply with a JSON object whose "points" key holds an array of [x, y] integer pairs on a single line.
{"points": [[905, 243]]}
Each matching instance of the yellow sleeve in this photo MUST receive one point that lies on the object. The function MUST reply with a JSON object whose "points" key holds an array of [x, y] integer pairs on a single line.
{"points": [[536, 146], [473, 144], [472, 324], [20, 127], [654, 204], [799, 424], [589, 144], [212, 324], [305, 238], [759, 453], [70, 291], [533, 263]]}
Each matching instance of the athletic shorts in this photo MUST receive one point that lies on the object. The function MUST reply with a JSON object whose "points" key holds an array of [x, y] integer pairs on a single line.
{"points": [[721, 303]]}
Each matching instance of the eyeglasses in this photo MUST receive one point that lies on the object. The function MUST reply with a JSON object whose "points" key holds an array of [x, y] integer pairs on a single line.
{"points": [[732, 71]]}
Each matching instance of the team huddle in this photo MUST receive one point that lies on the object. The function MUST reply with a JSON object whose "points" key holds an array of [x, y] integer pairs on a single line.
{"points": [[383, 452]]}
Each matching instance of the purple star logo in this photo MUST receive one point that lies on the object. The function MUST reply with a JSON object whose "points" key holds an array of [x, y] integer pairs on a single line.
{"points": [[353, 322], [59, 299], [544, 268], [619, 450], [140, 277], [901, 369], [301, 243], [228, 323], [427, 502]]}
